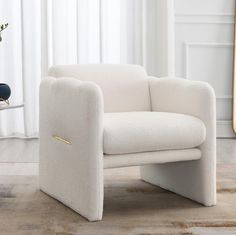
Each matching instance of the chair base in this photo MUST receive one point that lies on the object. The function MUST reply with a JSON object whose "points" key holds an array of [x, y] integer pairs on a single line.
{"points": [[183, 178], [158, 157]]}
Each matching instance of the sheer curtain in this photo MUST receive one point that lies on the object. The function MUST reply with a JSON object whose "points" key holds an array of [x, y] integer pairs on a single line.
{"points": [[20, 65], [93, 31], [43, 33]]}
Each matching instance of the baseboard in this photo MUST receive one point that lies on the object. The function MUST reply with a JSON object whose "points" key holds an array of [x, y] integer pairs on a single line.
{"points": [[19, 168], [224, 129]]}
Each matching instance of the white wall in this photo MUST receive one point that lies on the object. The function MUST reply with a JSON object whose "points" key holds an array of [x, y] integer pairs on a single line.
{"points": [[204, 50]]}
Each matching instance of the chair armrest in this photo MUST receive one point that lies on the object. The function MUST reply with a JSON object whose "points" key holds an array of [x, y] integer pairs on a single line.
{"points": [[183, 96], [69, 107], [192, 98], [192, 179], [71, 165]]}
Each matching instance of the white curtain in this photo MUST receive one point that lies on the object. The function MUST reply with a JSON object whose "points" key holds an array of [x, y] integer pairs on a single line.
{"points": [[93, 31], [43, 33], [20, 65]]}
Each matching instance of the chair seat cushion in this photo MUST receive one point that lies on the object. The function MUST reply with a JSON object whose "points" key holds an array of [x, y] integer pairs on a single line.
{"points": [[135, 132]]}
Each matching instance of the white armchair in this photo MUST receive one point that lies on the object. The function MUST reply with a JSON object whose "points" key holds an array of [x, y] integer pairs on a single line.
{"points": [[94, 117]]}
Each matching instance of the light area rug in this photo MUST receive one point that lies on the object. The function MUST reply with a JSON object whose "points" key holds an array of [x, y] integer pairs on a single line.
{"points": [[131, 206]]}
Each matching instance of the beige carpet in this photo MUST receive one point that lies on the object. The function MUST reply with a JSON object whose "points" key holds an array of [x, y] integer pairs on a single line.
{"points": [[131, 207]]}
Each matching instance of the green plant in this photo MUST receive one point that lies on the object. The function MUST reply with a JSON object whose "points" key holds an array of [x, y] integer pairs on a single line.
{"points": [[2, 27]]}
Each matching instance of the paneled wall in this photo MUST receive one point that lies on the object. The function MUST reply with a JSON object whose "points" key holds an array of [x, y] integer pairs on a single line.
{"points": [[204, 50]]}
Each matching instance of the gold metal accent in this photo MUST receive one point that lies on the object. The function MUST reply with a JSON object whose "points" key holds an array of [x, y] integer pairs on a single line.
{"points": [[234, 78], [61, 139]]}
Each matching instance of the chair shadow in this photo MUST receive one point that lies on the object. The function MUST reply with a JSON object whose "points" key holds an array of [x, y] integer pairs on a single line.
{"points": [[136, 195]]}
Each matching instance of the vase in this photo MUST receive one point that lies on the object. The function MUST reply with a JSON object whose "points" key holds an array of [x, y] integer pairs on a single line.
{"points": [[5, 92]]}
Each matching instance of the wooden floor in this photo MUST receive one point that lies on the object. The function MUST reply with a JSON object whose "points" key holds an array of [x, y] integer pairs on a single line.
{"points": [[19, 156], [131, 206], [19, 150]]}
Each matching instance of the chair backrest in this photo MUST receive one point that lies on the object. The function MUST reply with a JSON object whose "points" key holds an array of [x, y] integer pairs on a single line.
{"points": [[125, 87]]}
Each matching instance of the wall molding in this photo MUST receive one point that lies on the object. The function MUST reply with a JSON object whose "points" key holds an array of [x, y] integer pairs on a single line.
{"points": [[204, 18], [204, 22], [218, 98], [224, 129], [203, 14], [188, 45]]}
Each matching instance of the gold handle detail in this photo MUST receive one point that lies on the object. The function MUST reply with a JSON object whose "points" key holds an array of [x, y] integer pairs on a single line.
{"points": [[61, 139]]}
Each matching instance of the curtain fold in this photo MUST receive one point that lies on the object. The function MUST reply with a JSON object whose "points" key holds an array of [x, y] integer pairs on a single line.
{"points": [[43, 33], [94, 31], [20, 65]]}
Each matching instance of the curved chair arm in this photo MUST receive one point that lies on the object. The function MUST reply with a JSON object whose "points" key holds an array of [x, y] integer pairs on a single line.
{"points": [[183, 96], [71, 154], [193, 179]]}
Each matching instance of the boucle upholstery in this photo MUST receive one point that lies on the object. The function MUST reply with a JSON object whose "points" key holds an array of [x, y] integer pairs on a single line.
{"points": [[193, 179], [72, 110], [144, 132], [153, 157], [125, 88], [73, 100]]}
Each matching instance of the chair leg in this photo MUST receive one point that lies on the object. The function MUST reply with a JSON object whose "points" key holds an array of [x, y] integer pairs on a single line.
{"points": [[73, 182], [195, 180]]}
